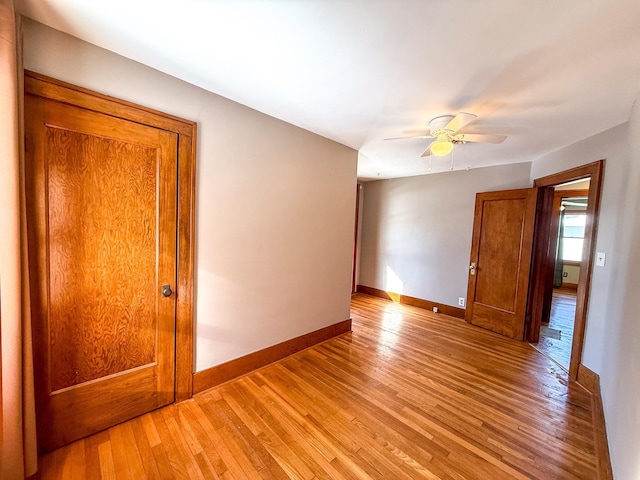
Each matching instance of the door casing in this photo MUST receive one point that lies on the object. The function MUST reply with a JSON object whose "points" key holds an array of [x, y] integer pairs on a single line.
{"points": [[540, 280]]}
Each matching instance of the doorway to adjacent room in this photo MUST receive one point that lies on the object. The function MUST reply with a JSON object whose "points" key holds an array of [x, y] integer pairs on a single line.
{"points": [[565, 261], [569, 214]]}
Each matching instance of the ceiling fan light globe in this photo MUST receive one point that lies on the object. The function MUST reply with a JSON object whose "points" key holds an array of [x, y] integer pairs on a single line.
{"points": [[441, 147]]}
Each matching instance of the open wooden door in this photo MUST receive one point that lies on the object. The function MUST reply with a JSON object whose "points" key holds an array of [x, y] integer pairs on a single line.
{"points": [[501, 259], [101, 209]]}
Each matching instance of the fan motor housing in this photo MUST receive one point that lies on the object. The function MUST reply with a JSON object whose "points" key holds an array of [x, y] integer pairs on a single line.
{"points": [[436, 126]]}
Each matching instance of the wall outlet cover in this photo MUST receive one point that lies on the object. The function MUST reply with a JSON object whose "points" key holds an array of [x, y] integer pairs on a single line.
{"points": [[600, 258], [461, 301]]}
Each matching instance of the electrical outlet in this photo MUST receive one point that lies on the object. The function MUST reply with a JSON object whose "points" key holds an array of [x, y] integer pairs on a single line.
{"points": [[461, 302], [565, 274]]}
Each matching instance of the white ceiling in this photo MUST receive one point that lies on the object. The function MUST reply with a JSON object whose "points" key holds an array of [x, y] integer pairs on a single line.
{"points": [[545, 72]]}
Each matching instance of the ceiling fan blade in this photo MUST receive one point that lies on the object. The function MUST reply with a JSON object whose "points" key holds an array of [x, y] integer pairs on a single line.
{"points": [[460, 120], [426, 135], [479, 138]]}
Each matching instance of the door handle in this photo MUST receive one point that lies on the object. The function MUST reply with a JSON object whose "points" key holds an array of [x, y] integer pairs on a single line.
{"points": [[472, 268], [166, 290]]}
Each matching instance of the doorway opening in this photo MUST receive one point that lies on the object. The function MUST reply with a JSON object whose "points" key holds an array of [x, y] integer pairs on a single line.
{"points": [[570, 201], [565, 236], [356, 241]]}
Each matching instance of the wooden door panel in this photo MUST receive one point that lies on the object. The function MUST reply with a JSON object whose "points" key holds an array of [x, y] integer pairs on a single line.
{"points": [[75, 412], [500, 243], [93, 248], [501, 252], [102, 233]]}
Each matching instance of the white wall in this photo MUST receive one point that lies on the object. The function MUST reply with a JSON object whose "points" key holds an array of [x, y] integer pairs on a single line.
{"points": [[613, 146], [416, 233], [275, 203], [572, 272], [619, 373], [612, 340]]}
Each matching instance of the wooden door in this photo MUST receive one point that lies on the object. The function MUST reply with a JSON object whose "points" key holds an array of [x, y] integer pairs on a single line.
{"points": [[101, 210], [500, 264]]}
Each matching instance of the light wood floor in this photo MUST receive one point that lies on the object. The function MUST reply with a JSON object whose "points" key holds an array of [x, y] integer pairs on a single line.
{"points": [[409, 394], [563, 315]]}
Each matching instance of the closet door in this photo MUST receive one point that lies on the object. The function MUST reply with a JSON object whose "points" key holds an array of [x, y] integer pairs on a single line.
{"points": [[101, 209]]}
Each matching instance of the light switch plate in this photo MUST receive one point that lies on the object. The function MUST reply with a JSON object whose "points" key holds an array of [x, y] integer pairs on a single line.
{"points": [[600, 256]]}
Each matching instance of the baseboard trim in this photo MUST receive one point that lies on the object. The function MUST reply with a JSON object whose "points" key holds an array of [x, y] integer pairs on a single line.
{"points": [[219, 374], [416, 302], [570, 286], [590, 381]]}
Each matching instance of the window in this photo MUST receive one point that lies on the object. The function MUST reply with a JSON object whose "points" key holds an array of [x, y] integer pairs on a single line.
{"points": [[573, 235]]}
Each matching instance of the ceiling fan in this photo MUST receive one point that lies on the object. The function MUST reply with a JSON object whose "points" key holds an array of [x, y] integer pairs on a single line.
{"points": [[443, 134]]}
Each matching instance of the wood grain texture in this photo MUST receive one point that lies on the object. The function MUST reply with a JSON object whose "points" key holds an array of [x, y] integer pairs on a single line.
{"points": [[595, 172], [548, 272], [499, 253], [102, 222], [591, 382], [409, 394], [501, 249], [102, 226], [542, 265], [65, 93], [111, 196], [414, 301], [588, 379], [186, 261], [219, 374]]}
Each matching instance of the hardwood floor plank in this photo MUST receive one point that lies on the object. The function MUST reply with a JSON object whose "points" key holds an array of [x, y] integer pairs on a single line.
{"points": [[144, 449], [125, 451], [91, 455], [241, 418], [280, 441], [561, 319], [107, 465], [150, 430], [73, 465], [408, 394], [164, 465], [210, 455], [169, 447], [179, 437], [232, 458]]}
